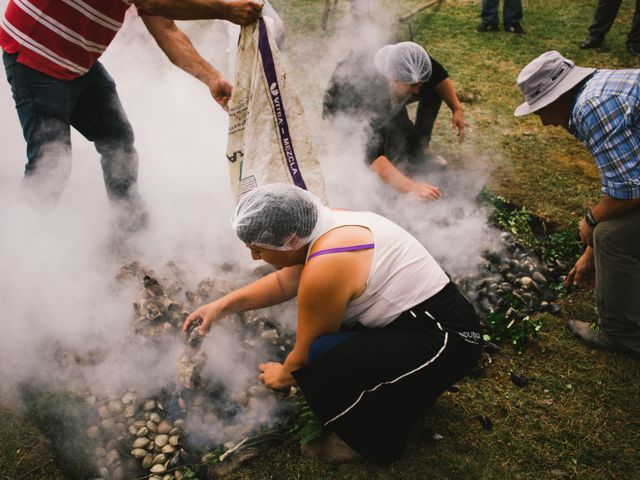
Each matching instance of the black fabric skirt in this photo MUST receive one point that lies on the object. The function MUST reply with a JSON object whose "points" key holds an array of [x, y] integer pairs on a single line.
{"points": [[373, 388]]}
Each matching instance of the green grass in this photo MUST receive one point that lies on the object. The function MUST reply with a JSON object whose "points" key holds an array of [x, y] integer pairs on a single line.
{"points": [[579, 417]]}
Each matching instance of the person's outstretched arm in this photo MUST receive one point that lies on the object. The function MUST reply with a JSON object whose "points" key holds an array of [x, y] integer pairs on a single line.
{"points": [[272, 289], [389, 174], [179, 49], [446, 91], [242, 12]]}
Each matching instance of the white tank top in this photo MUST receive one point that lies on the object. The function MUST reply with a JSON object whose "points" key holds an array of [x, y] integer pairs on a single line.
{"points": [[403, 273]]}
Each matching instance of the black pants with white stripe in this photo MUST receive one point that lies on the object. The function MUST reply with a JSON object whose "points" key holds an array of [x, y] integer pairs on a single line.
{"points": [[373, 388]]}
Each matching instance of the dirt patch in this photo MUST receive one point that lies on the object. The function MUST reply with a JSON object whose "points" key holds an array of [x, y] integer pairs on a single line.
{"points": [[25, 452]]}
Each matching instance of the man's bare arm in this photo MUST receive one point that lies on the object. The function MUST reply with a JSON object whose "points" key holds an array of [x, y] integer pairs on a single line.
{"points": [[178, 48], [242, 12], [389, 174]]}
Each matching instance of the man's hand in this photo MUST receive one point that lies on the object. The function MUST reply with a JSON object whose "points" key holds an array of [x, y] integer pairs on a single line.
{"points": [[424, 191], [220, 89], [243, 12], [457, 124], [275, 376], [207, 313], [586, 232], [583, 273]]}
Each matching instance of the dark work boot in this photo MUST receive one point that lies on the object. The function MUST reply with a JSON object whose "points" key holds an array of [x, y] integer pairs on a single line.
{"points": [[591, 42]]}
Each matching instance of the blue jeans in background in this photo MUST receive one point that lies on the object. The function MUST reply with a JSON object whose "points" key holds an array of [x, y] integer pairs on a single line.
{"points": [[48, 107], [511, 12]]}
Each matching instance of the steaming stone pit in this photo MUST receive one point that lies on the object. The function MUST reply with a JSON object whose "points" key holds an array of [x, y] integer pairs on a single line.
{"points": [[129, 436]]}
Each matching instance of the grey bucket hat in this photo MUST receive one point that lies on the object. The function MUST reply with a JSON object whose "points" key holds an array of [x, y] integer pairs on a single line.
{"points": [[546, 78]]}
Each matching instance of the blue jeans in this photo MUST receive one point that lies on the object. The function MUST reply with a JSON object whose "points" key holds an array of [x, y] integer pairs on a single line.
{"points": [[511, 12], [326, 343], [48, 107]]}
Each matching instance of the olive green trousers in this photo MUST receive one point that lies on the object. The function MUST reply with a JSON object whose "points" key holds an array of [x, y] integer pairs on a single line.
{"points": [[616, 246]]}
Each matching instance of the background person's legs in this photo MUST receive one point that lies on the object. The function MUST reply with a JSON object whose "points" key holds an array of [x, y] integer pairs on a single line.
{"points": [[426, 116], [617, 260], [603, 18], [511, 13], [489, 13], [99, 116], [633, 38], [44, 107]]}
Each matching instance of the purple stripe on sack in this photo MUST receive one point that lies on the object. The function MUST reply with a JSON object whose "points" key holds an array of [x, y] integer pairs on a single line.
{"points": [[278, 106], [353, 248]]}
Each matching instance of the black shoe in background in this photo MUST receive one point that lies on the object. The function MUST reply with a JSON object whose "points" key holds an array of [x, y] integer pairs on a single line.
{"points": [[515, 28], [486, 27], [633, 49], [591, 42]]}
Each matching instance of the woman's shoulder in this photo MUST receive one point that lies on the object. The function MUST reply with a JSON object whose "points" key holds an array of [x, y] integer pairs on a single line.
{"points": [[343, 236]]}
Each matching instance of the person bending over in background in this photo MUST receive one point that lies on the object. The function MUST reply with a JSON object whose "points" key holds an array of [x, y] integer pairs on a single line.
{"points": [[381, 329], [601, 108], [511, 16], [603, 18], [377, 89], [50, 54]]}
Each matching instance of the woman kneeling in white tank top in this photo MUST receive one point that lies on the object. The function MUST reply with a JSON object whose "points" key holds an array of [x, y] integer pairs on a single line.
{"points": [[381, 330]]}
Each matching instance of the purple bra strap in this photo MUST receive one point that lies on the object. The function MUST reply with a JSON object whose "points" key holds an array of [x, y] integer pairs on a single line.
{"points": [[353, 248]]}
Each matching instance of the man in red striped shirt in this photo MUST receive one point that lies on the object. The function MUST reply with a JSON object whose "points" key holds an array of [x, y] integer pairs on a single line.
{"points": [[50, 53]]}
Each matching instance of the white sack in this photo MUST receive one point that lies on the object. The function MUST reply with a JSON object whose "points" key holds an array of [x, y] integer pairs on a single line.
{"points": [[269, 141]]}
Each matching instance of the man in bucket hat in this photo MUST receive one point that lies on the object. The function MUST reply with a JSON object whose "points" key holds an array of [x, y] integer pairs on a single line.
{"points": [[601, 108]]}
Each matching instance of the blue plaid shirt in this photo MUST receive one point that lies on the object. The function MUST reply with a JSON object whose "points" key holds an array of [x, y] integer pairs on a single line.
{"points": [[606, 118]]}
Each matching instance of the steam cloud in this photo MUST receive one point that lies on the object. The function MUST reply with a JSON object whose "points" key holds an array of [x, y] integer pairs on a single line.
{"points": [[57, 267]]}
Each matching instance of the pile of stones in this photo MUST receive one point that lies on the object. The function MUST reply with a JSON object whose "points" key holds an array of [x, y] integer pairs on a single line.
{"points": [[149, 437], [132, 436], [514, 282]]}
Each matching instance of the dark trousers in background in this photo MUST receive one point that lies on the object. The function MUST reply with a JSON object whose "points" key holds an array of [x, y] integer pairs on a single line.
{"points": [[616, 244], [605, 15], [511, 12], [48, 107]]}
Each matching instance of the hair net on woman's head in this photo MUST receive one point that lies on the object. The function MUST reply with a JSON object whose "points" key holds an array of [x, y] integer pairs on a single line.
{"points": [[405, 62], [278, 216]]}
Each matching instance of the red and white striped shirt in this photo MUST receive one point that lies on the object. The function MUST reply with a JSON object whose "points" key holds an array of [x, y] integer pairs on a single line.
{"points": [[61, 38]]}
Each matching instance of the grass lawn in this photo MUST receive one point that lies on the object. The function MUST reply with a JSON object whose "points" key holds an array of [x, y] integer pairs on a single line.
{"points": [[580, 415]]}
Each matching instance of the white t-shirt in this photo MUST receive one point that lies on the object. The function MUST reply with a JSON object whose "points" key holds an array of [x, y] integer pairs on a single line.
{"points": [[403, 273]]}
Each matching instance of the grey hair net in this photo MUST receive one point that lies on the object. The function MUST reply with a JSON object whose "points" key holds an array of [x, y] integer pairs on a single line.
{"points": [[405, 62], [278, 216]]}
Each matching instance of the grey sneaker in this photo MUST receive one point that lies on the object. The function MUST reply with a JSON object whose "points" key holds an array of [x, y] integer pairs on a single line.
{"points": [[590, 334], [330, 448], [486, 27], [515, 28]]}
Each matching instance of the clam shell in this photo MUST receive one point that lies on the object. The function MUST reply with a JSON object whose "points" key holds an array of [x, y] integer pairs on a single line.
{"points": [[158, 468], [138, 453], [147, 461], [128, 398], [168, 449], [112, 457], [140, 442], [164, 427], [104, 412], [161, 440]]}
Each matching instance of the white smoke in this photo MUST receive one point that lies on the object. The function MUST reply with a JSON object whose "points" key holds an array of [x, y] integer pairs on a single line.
{"points": [[57, 267]]}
